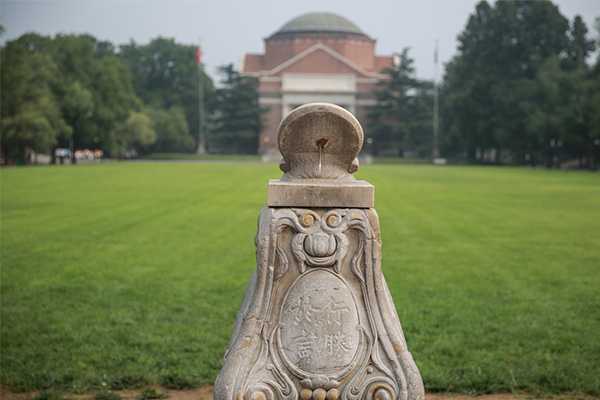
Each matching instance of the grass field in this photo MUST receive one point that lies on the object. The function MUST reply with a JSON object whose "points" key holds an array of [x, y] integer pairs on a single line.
{"points": [[127, 274], [201, 157]]}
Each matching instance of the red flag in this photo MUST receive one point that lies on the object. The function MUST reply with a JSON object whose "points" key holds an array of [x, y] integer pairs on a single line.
{"points": [[198, 55]]}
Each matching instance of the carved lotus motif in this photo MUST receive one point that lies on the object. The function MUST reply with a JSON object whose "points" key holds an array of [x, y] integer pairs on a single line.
{"points": [[320, 244]]}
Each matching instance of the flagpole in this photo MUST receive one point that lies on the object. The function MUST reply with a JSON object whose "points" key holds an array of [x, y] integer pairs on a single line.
{"points": [[201, 137], [435, 153]]}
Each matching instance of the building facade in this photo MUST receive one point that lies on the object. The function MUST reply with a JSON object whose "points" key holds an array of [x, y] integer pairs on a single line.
{"points": [[316, 57]]}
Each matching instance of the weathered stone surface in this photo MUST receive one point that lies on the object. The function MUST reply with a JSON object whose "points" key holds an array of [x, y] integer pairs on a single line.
{"points": [[317, 321], [320, 143], [320, 193]]}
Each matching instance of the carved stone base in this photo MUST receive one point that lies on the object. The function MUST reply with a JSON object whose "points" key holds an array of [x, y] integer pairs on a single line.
{"points": [[318, 321]]}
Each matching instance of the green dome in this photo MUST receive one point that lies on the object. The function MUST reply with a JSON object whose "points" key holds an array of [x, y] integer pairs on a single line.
{"points": [[320, 22]]}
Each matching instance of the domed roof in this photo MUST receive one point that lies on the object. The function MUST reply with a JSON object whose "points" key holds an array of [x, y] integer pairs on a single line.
{"points": [[320, 22]]}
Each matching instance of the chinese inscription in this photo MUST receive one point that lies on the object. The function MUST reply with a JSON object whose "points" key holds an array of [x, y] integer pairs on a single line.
{"points": [[319, 323]]}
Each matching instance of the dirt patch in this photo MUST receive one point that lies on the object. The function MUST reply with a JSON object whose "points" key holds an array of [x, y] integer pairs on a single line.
{"points": [[205, 393]]}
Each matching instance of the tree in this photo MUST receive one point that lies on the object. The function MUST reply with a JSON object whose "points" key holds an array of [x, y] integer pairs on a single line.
{"points": [[89, 86], [113, 101], [556, 118], [593, 103], [95, 65], [172, 134], [31, 118], [142, 129], [562, 113], [490, 84], [236, 121], [136, 133], [580, 47], [165, 75], [593, 107], [401, 120], [77, 106]]}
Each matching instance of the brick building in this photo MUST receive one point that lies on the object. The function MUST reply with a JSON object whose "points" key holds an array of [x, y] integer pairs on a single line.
{"points": [[315, 57]]}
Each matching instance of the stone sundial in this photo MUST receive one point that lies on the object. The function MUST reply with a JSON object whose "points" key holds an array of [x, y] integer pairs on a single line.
{"points": [[318, 321]]}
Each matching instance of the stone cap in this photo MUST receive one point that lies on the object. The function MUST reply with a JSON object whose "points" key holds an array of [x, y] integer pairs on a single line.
{"points": [[320, 143], [322, 193]]}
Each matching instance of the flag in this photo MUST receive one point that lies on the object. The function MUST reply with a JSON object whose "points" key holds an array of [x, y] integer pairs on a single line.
{"points": [[435, 53], [198, 55]]}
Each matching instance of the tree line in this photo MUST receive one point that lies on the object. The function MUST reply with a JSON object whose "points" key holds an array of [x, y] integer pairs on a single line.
{"points": [[76, 92], [520, 90]]}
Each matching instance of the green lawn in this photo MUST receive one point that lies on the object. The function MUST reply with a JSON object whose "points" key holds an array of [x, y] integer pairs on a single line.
{"points": [[131, 273], [201, 157]]}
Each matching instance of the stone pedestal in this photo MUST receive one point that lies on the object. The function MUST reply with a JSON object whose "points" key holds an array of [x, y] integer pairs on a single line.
{"points": [[317, 321]]}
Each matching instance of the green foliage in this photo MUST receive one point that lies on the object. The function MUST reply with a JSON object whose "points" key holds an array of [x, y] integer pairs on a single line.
{"points": [[236, 121], [593, 101], [593, 109], [401, 120], [165, 75], [115, 100], [77, 92], [141, 126], [77, 102], [31, 119], [171, 128], [519, 89], [137, 132], [580, 46], [69, 90], [134, 275], [96, 94], [561, 117]]}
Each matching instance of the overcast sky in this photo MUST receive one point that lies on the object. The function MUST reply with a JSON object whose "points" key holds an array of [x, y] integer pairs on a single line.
{"points": [[228, 29]]}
